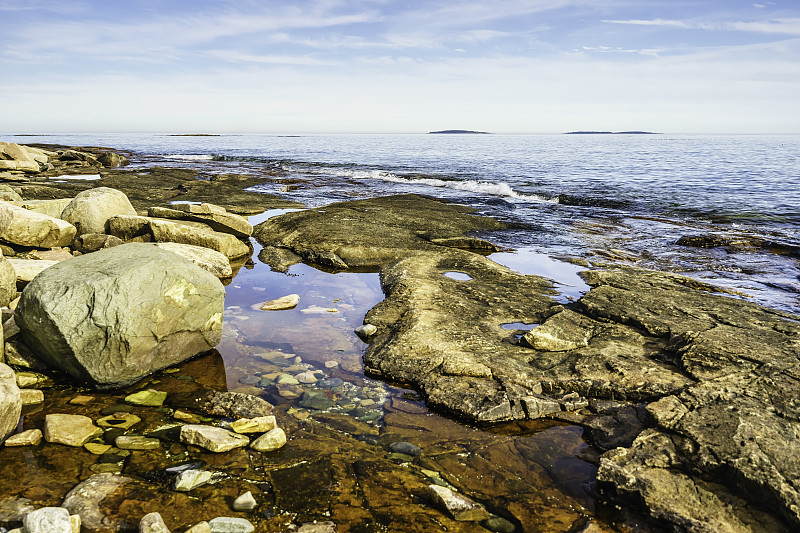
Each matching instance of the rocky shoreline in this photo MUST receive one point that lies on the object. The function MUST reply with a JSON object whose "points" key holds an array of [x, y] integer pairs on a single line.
{"points": [[689, 394]]}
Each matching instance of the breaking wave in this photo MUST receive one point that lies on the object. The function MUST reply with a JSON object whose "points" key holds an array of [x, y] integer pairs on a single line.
{"points": [[192, 157], [479, 187]]}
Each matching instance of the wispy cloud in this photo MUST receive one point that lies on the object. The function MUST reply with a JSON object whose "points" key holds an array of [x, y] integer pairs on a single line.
{"points": [[788, 26]]}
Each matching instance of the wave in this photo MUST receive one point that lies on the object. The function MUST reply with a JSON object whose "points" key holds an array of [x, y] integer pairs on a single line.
{"points": [[192, 157], [479, 187]]}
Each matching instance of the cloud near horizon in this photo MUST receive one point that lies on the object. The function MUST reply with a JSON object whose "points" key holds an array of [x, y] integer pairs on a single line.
{"points": [[390, 66]]}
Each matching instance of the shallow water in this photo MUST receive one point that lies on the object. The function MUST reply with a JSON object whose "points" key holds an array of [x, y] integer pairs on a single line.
{"points": [[337, 464]]}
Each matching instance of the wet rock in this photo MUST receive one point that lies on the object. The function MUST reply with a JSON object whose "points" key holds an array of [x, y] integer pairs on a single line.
{"points": [[119, 420], [72, 430], [270, 441], [234, 405], [562, 331], [28, 228], [306, 378], [318, 527], [405, 448], [90, 210], [213, 439], [215, 216], [330, 383], [79, 315], [286, 379], [48, 520], [98, 449], [86, 498], [368, 232], [260, 424], [457, 505], [317, 400], [366, 331], [14, 509], [499, 525], [136, 442], [10, 403], [245, 502], [153, 523], [224, 524], [279, 304], [30, 437], [617, 426], [191, 479], [148, 398], [200, 527]]}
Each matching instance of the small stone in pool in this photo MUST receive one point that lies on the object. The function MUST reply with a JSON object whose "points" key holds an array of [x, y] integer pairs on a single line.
{"points": [[330, 383], [406, 448]]}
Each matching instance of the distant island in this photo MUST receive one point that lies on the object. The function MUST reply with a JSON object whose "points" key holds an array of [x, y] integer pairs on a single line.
{"points": [[611, 133], [195, 135], [459, 132]]}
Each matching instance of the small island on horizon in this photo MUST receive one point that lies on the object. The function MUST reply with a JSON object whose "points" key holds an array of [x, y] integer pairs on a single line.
{"points": [[611, 133], [459, 132]]}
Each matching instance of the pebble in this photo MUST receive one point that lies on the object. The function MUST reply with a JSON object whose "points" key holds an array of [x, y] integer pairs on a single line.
{"points": [[153, 523], [31, 396], [147, 398], [366, 331], [318, 527], [316, 400], [286, 379], [191, 479], [82, 400], [96, 448], [225, 524], [499, 525], [72, 430], [200, 527], [289, 301], [136, 442], [306, 378], [48, 520], [211, 438], [259, 424], [270, 441], [330, 383], [245, 502], [31, 437], [331, 364], [119, 420], [405, 448], [249, 380]]}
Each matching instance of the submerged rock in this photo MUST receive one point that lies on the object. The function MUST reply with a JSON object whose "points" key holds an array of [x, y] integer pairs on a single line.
{"points": [[86, 498], [224, 524], [153, 523], [116, 315], [459, 506]]}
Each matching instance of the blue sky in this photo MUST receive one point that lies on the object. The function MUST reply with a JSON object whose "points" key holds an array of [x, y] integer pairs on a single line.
{"points": [[717, 66]]}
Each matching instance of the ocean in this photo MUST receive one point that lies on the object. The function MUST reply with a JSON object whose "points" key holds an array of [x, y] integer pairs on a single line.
{"points": [[605, 199]]}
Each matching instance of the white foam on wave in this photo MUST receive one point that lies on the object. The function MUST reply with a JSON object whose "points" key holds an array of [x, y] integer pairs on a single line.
{"points": [[191, 157], [479, 187]]}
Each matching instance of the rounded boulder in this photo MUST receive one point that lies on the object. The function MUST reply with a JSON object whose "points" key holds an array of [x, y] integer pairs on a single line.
{"points": [[90, 210], [111, 317]]}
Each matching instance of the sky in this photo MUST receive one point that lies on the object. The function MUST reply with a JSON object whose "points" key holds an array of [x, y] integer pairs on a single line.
{"points": [[399, 66]]}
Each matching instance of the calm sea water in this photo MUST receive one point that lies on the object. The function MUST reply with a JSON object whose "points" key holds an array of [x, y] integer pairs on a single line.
{"points": [[604, 198]]}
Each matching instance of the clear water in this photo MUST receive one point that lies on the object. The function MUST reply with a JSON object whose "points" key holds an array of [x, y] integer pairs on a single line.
{"points": [[604, 198]]}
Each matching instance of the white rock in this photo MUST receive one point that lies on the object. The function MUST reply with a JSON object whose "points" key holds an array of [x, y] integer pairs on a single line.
{"points": [[10, 403], [191, 479], [459, 506], [153, 523], [245, 502], [211, 438], [47, 520], [270, 441]]}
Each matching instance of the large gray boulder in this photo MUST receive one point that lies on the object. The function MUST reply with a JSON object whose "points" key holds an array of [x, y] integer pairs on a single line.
{"points": [[114, 316], [10, 403], [90, 210], [29, 228]]}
